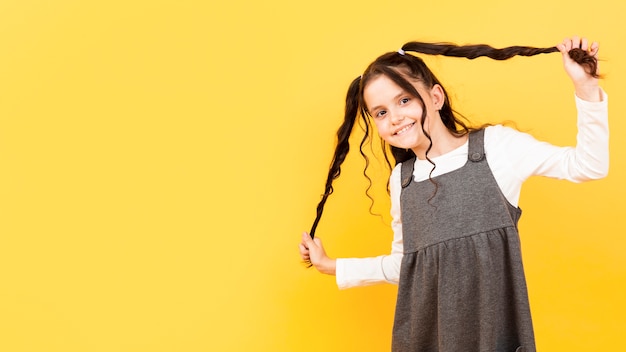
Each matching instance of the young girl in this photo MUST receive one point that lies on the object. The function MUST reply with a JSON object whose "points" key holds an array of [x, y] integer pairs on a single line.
{"points": [[456, 252]]}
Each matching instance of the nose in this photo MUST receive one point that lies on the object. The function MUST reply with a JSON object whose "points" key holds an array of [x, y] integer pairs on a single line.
{"points": [[396, 117]]}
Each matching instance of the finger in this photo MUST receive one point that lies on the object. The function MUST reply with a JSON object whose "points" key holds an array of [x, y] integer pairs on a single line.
{"points": [[584, 44], [304, 253], [566, 45], [575, 42], [593, 49], [318, 241], [306, 239]]}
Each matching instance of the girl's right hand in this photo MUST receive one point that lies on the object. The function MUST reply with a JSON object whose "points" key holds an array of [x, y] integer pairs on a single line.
{"points": [[312, 251]]}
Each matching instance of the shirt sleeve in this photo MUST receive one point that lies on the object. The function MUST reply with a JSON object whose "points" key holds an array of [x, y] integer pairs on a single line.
{"points": [[351, 272], [515, 156]]}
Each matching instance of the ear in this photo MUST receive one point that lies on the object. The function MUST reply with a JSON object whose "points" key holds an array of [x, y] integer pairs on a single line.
{"points": [[437, 95]]}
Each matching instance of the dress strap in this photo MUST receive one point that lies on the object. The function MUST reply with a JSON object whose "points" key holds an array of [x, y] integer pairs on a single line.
{"points": [[476, 149], [476, 153], [407, 172]]}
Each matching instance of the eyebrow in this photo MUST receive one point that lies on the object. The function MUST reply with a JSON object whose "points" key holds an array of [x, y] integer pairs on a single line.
{"points": [[394, 98]]}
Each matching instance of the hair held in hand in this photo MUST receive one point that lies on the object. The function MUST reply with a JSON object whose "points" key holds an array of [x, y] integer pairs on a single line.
{"points": [[581, 56], [400, 66]]}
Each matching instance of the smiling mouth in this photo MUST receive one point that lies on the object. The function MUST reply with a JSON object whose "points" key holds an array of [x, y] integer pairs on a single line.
{"points": [[404, 129]]}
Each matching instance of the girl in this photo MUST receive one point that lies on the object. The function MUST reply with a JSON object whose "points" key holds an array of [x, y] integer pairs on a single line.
{"points": [[455, 189]]}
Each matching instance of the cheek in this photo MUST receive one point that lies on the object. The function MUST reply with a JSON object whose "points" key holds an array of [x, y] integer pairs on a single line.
{"points": [[417, 111], [379, 126]]}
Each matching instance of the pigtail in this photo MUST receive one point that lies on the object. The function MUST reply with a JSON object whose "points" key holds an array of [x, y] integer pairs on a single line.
{"points": [[582, 57], [342, 148], [475, 51]]}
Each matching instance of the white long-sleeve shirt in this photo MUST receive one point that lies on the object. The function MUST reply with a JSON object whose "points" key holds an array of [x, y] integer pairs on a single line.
{"points": [[513, 157]]}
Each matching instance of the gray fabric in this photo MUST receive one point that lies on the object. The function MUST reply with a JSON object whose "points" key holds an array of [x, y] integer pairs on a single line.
{"points": [[462, 284]]}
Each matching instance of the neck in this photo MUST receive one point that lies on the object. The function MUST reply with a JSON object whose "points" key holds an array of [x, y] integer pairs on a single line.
{"points": [[443, 141]]}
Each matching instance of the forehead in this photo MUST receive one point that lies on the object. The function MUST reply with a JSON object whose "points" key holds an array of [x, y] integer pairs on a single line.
{"points": [[382, 90], [379, 86]]}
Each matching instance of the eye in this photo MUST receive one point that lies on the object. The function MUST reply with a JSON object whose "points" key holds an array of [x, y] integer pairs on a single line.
{"points": [[404, 101], [380, 114]]}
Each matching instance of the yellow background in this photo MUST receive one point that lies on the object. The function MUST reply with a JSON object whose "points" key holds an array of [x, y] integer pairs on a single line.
{"points": [[160, 159]]}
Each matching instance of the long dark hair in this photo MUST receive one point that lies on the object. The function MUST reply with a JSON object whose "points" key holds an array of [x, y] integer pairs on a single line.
{"points": [[400, 67]]}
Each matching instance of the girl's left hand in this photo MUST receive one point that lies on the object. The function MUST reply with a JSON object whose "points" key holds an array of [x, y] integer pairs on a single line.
{"points": [[586, 85]]}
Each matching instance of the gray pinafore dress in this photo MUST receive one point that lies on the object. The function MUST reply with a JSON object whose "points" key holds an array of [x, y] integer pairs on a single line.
{"points": [[462, 286]]}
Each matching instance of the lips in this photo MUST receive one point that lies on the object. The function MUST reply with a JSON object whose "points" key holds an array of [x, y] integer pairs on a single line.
{"points": [[403, 129]]}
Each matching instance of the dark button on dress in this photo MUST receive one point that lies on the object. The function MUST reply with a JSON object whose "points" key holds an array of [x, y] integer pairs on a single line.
{"points": [[462, 286]]}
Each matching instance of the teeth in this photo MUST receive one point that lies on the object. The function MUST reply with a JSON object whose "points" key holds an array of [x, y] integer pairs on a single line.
{"points": [[404, 129]]}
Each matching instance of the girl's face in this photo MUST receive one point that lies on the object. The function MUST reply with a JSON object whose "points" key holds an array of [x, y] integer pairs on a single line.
{"points": [[397, 114]]}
